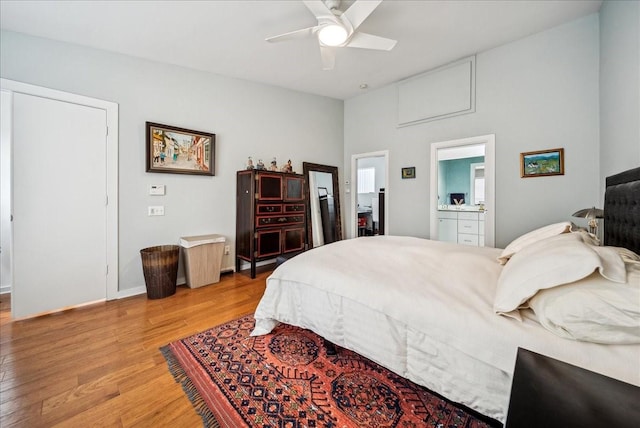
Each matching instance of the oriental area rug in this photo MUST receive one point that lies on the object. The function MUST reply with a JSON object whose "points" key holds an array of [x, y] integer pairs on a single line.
{"points": [[288, 378]]}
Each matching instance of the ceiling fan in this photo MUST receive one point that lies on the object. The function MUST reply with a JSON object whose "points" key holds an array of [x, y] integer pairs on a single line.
{"points": [[339, 29]]}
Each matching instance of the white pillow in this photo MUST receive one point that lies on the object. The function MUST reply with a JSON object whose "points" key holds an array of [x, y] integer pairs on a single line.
{"points": [[613, 264], [548, 263], [592, 309], [627, 255], [533, 237]]}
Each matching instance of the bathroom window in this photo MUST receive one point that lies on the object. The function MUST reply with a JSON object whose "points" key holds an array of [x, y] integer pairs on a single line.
{"points": [[366, 180]]}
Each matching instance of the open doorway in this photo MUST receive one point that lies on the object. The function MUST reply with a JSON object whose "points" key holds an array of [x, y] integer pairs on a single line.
{"points": [[462, 202], [370, 194]]}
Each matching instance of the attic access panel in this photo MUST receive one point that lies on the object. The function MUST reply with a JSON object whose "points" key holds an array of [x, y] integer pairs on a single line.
{"points": [[444, 92]]}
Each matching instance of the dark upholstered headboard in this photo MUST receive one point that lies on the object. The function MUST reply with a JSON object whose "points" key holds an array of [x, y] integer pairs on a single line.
{"points": [[622, 210]]}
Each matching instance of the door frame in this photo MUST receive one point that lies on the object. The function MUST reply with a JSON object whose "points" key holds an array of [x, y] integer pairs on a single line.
{"points": [[354, 189], [489, 142], [111, 155], [6, 263]]}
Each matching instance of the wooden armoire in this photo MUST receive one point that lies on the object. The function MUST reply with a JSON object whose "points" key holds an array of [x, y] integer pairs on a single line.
{"points": [[270, 216]]}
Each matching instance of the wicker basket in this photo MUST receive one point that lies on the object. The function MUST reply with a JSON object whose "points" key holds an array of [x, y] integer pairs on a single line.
{"points": [[160, 267]]}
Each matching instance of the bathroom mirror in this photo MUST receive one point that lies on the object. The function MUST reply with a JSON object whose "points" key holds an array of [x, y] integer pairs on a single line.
{"points": [[324, 220]]}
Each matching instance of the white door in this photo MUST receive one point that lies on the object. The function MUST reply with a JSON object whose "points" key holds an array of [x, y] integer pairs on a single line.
{"points": [[59, 205]]}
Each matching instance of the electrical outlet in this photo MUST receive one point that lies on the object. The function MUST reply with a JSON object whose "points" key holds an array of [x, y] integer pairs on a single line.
{"points": [[227, 249], [156, 210]]}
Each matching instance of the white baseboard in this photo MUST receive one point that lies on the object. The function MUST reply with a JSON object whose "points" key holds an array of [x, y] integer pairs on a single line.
{"points": [[121, 293], [142, 289], [135, 291], [246, 265], [131, 292]]}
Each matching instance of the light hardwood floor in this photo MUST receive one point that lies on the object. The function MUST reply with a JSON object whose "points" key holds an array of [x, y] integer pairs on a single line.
{"points": [[99, 365]]}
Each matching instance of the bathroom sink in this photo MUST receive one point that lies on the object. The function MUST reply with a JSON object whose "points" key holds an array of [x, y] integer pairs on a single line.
{"points": [[459, 208]]}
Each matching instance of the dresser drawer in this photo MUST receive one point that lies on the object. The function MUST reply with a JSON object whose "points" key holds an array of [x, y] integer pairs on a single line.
{"points": [[468, 226], [447, 214], [294, 208], [467, 216], [281, 220], [466, 239], [268, 209]]}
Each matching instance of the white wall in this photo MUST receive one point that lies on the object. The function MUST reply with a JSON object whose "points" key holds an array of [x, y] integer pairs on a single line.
{"points": [[619, 87], [249, 119], [540, 92]]}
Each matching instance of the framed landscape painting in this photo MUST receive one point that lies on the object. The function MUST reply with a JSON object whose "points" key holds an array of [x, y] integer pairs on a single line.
{"points": [[542, 163], [179, 151]]}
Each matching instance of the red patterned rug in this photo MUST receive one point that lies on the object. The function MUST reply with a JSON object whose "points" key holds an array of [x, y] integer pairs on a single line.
{"points": [[286, 379]]}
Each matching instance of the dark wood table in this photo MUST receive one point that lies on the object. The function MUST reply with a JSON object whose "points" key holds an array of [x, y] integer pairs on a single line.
{"points": [[547, 393]]}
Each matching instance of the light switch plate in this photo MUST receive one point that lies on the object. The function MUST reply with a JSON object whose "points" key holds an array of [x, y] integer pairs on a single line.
{"points": [[157, 189], [156, 210]]}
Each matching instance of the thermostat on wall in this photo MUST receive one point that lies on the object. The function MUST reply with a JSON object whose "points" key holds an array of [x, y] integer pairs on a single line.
{"points": [[156, 189]]}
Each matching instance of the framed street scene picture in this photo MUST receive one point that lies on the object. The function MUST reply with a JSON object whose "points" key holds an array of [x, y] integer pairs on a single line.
{"points": [[179, 151]]}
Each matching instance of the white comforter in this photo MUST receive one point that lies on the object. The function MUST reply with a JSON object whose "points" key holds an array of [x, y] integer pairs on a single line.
{"points": [[423, 309]]}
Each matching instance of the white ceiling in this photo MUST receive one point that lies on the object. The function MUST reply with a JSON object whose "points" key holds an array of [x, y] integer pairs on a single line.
{"points": [[227, 37]]}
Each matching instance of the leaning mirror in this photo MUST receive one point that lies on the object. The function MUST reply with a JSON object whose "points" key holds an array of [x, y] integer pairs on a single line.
{"points": [[324, 221]]}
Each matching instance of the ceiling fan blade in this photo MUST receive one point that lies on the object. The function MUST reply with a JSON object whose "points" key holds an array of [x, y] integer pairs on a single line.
{"points": [[360, 10], [369, 41], [328, 58], [298, 34], [318, 8]]}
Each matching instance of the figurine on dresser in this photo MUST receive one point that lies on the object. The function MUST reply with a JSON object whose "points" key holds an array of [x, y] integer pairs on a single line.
{"points": [[274, 165], [287, 167]]}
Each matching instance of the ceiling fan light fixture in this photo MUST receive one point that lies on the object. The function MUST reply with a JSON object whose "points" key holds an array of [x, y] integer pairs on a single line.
{"points": [[333, 35]]}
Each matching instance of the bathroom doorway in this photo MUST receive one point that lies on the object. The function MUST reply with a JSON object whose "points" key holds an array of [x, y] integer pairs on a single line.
{"points": [[462, 194]]}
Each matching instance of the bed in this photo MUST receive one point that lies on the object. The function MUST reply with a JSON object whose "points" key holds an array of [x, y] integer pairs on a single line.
{"points": [[451, 317]]}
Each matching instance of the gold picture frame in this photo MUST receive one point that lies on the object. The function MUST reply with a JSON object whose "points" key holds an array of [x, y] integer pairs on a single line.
{"points": [[542, 163]]}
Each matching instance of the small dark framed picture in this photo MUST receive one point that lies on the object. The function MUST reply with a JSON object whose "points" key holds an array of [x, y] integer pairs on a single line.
{"points": [[542, 163], [179, 151], [409, 172]]}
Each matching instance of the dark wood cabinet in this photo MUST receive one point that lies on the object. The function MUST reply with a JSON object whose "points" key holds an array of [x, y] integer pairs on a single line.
{"points": [[270, 216]]}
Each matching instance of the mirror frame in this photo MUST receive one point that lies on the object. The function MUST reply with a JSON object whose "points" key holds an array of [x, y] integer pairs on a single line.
{"points": [[308, 167]]}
